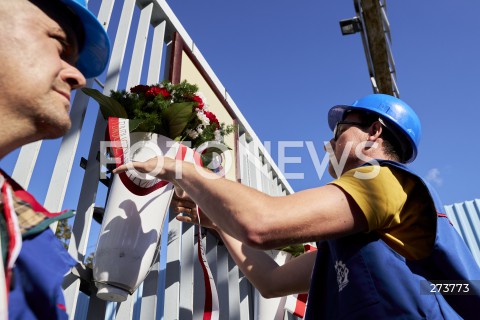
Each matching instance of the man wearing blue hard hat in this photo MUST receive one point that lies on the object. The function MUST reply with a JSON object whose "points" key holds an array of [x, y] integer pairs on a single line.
{"points": [[47, 49], [381, 233]]}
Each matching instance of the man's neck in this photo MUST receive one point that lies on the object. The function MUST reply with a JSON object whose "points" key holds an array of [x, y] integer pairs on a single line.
{"points": [[13, 135]]}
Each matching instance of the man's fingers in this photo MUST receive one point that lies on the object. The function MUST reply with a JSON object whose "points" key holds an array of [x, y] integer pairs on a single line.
{"points": [[139, 166], [120, 169], [179, 192], [188, 210], [183, 202], [149, 166], [184, 219]]}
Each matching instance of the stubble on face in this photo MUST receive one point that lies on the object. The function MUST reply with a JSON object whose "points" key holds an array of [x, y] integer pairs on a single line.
{"points": [[346, 147], [34, 92]]}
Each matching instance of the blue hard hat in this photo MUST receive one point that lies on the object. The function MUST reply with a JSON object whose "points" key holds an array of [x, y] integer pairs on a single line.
{"points": [[95, 52], [399, 118]]}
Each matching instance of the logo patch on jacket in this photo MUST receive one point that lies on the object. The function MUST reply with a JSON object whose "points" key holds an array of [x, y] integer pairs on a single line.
{"points": [[342, 274]]}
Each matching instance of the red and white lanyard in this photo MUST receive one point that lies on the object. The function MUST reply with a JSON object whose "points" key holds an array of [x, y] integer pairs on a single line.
{"points": [[13, 230]]}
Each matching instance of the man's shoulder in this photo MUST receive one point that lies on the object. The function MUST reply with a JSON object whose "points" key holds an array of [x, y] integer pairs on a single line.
{"points": [[370, 173]]}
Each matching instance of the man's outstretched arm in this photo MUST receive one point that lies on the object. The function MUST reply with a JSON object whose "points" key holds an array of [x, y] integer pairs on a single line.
{"points": [[259, 220]]}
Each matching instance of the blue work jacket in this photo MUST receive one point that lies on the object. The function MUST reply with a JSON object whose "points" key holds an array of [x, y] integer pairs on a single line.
{"points": [[361, 277]]}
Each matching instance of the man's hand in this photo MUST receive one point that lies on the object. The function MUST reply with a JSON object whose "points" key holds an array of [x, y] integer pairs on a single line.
{"points": [[159, 167], [183, 204]]}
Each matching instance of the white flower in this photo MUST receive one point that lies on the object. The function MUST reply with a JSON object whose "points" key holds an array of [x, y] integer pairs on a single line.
{"points": [[203, 117], [192, 133], [218, 135], [204, 99]]}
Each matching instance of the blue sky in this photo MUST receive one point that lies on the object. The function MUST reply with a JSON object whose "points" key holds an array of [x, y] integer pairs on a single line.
{"points": [[286, 63]]}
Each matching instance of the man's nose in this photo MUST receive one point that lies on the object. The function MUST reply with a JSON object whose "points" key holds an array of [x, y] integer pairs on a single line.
{"points": [[73, 77]]}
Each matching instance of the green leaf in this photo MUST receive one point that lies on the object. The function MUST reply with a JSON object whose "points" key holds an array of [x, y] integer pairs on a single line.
{"points": [[177, 117], [295, 249], [134, 124], [109, 106]]}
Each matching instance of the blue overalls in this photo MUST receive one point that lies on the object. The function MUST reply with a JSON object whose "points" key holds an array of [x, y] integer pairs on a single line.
{"points": [[361, 277], [35, 290]]}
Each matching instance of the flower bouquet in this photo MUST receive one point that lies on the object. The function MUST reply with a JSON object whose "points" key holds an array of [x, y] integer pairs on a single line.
{"points": [[177, 111], [162, 119]]}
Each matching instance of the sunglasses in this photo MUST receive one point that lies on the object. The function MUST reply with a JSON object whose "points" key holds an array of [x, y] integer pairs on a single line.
{"points": [[337, 132]]}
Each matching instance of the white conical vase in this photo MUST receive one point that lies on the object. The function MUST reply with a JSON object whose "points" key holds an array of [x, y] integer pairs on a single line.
{"points": [[133, 221]]}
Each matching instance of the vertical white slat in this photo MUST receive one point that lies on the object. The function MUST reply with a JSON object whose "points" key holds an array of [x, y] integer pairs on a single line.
{"points": [[83, 218], [156, 53], [110, 312], [82, 307], [96, 308], [275, 187], [22, 173], [186, 272], [137, 304], [245, 301], [265, 179], [198, 285], [148, 308], [252, 172], [125, 309], [68, 148], [271, 182], [120, 44], [254, 166], [243, 160], [172, 285], [222, 282], [138, 54], [105, 12], [233, 290], [212, 254], [160, 294]]}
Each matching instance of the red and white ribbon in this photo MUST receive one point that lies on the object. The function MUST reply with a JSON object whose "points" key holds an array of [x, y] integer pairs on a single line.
{"points": [[296, 304], [211, 307], [13, 230]]}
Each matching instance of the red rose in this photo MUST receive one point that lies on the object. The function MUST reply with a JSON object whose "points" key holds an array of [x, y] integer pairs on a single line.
{"points": [[155, 91], [164, 92], [213, 118], [199, 102], [139, 89]]}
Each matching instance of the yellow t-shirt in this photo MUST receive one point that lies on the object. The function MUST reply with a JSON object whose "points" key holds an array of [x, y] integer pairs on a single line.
{"points": [[396, 206]]}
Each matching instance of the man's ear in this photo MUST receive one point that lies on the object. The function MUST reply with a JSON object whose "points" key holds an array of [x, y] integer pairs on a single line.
{"points": [[375, 131]]}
